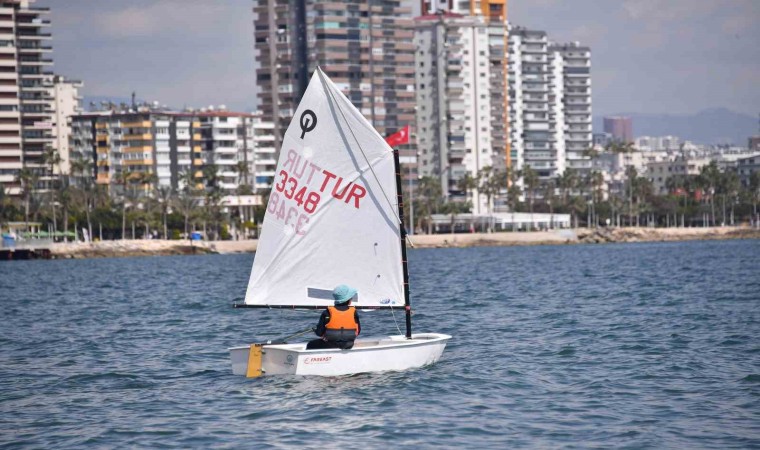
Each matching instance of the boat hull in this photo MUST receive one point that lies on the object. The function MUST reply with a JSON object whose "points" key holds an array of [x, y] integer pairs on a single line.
{"points": [[393, 353]]}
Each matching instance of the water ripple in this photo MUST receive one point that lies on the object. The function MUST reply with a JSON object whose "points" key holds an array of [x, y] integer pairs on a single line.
{"points": [[623, 345]]}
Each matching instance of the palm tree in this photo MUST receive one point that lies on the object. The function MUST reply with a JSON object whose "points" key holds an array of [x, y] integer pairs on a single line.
{"points": [[729, 187], [619, 147], [567, 182], [548, 192], [164, 197], [591, 152], [429, 194], [616, 205], [65, 198], [148, 181], [213, 198], [243, 169], [643, 190], [595, 182], [468, 183], [122, 179], [186, 203], [52, 158], [28, 180], [492, 181], [754, 194], [514, 192], [530, 180], [630, 175], [82, 168], [708, 179]]}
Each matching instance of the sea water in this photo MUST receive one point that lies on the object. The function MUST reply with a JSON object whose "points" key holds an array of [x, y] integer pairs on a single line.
{"points": [[651, 345]]}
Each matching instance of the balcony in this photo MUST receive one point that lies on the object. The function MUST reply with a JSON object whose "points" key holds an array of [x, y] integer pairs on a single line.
{"points": [[138, 149], [38, 62], [34, 50], [226, 150], [136, 137], [137, 162], [34, 23], [40, 36], [143, 124]]}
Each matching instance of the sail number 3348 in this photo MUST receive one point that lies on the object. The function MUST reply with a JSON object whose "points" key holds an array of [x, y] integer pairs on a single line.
{"points": [[293, 201], [304, 199]]}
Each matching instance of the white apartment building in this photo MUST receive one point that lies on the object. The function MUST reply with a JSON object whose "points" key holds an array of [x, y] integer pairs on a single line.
{"points": [[550, 103], [659, 172], [655, 143], [529, 101], [169, 145], [455, 113], [265, 158], [576, 103], [228, 144], [67, 104], [26, 101]]}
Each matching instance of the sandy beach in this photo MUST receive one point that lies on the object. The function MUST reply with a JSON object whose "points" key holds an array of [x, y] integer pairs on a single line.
{"points": [[555, 237]]}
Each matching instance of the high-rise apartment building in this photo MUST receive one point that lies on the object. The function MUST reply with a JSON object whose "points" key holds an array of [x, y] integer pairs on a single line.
{"points": [[26, 93], [537, 139], [365, 47], [550, 103], [575, 103], [67, 104], [459, 120], [621, 128]]}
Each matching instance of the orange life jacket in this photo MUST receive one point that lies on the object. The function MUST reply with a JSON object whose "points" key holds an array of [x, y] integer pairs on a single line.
{"points": [[342, 320]]}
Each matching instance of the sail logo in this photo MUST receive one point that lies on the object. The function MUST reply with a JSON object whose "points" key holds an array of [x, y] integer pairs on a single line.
{"points": [[308, 122], [317, 359]]}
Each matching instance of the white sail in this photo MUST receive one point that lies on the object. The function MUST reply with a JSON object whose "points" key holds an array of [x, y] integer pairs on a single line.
{"points": [[332, 216]]}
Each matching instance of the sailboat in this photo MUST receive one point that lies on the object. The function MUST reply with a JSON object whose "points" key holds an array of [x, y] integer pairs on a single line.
{"points": [[334, 216]]}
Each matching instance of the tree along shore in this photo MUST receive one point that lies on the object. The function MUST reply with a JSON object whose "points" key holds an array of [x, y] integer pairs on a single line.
{"points": [[156, 247]]}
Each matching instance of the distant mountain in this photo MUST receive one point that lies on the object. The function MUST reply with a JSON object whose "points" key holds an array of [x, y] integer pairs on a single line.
{"points": [[709, 126]]}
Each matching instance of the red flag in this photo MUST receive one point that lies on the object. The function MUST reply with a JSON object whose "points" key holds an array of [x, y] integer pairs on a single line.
{"points": [[399, 137]]}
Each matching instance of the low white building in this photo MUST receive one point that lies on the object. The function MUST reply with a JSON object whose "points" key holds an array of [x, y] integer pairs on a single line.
{"points": [[516, 221], [659, 172]]}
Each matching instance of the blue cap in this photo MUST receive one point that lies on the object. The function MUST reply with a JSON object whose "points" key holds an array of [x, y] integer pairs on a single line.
{"points": [[343, 293]]}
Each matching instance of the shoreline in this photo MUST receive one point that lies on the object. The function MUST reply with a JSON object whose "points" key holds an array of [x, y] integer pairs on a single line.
{"points": [[132, 248]]}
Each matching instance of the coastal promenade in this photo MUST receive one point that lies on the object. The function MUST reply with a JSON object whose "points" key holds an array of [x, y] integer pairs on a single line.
{"points": [[555, 237]]}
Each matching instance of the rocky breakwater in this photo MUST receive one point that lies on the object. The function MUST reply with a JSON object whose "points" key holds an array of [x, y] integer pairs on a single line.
{"points": [[493, 239], [138, 247], [639, 234]]}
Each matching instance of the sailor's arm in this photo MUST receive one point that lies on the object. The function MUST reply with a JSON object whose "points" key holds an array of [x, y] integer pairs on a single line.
{"points": [[321, 325]]}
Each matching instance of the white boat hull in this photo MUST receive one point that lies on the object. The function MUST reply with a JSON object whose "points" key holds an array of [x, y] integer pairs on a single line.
{"points": [[393, 353]]}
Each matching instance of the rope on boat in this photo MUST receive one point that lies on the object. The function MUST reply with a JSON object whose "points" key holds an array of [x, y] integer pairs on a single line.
{"points": [[395, 321]]}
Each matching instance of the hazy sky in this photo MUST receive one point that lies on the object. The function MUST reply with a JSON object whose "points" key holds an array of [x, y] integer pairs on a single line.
{"points": [[651, 56]]}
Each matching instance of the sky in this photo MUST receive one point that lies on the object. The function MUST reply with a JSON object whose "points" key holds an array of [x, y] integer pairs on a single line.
{"points": [[648, 56]]}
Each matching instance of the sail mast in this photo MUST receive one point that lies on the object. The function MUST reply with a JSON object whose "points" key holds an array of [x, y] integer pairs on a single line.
{"points": [[399, 195]]}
